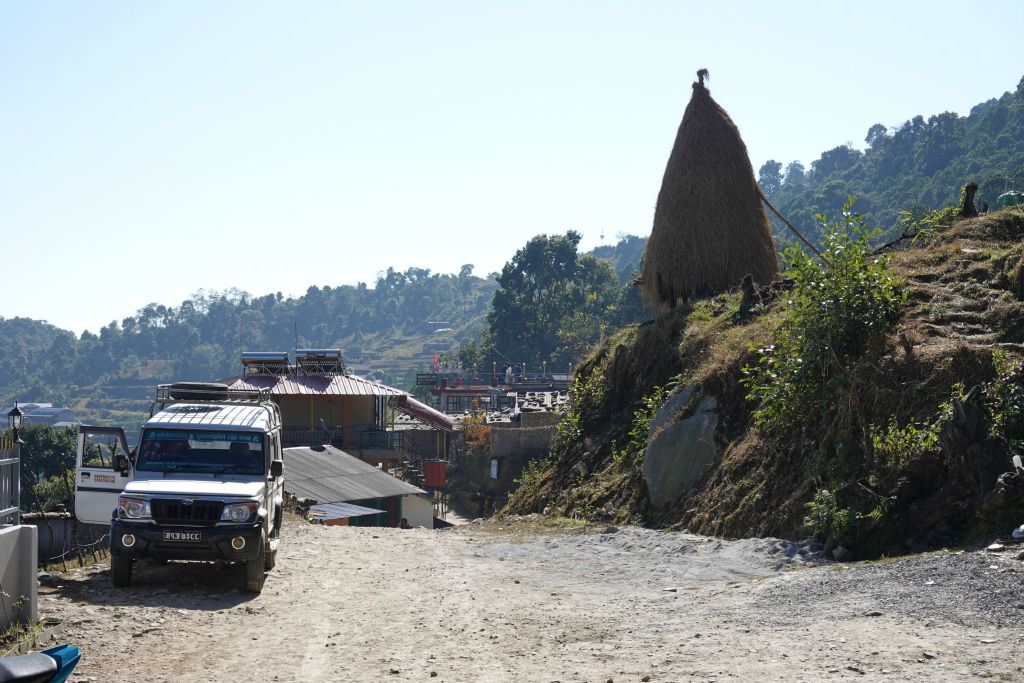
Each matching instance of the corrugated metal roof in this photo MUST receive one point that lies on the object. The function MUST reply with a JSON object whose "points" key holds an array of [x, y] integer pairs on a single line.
{"points": [[328, 475], [212, 416], [340, 511], [301, 385], [421, 411]]}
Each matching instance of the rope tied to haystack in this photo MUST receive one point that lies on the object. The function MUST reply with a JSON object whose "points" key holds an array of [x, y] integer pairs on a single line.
{"points": [[792, 227]]}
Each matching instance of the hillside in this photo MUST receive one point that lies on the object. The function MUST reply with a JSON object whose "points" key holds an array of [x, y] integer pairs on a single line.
{"points": [[918, 165], [895, 443], [387, 332]]}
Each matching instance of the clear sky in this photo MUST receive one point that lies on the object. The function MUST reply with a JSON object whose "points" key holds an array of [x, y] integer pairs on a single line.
{"points": [[148, 150]]}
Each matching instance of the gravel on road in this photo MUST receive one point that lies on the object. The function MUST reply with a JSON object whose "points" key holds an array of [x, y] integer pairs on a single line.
{"points": [[523, 601]]}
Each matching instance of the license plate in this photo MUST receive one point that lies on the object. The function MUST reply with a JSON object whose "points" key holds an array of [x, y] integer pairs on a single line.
{"points": [[185, 536]]}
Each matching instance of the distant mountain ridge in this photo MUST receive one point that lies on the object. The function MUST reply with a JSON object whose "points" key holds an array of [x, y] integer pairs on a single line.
{"points": [[918, 164], [402, 319]]}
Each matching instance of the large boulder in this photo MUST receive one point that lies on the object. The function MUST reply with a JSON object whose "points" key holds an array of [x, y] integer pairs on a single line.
{"points": [[679, 452]]}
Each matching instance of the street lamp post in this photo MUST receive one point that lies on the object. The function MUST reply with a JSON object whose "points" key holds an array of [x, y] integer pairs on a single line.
{"points": [[15, 418]]}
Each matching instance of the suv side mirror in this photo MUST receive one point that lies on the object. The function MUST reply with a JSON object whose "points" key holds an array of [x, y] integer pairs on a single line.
{"points": [[121, 463], [276, 468]]}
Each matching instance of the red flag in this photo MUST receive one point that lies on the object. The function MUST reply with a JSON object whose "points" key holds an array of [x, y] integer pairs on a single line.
{"points": [[435, 361]]}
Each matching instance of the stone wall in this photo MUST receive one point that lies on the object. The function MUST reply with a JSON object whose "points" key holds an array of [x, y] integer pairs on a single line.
{"points": [[514, 444], [531, 435]]}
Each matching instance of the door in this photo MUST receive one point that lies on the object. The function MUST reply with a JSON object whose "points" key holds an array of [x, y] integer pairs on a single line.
{"points": [[102, 470]]}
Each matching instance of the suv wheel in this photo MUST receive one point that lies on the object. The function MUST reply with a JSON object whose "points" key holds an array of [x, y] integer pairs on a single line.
{"points": [[270, 555], [254, 569], [121, 571]]}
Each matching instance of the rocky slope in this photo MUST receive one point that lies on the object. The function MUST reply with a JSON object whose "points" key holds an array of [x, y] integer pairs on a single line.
{"points": [[919, 395]]}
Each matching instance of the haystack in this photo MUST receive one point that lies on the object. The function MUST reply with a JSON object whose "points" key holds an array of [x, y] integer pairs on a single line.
{"points": [[710, 228]]}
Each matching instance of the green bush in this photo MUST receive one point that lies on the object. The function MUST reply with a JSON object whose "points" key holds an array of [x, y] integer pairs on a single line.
{"points": [[1006, 398], [55, 490], [832, 312], [897, 449], [827, 520], [920, 224], [531, 478], [587, 392], [639, 427]]}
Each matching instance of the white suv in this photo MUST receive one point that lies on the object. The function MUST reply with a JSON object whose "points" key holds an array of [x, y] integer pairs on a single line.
{"points": [[205, 482]]}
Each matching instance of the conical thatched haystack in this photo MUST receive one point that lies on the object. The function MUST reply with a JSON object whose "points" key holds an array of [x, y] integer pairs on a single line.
{"points": [[709, 226]]}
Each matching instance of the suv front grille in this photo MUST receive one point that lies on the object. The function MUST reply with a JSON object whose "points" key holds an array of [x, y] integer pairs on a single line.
{"points": [[197, 513]]}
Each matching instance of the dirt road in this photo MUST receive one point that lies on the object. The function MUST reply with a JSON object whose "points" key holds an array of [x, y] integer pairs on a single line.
{"points": [[489, 604]]}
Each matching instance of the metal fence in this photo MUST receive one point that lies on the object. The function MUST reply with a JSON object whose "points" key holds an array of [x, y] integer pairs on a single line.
{"points": [[62, 538], [10, 483]]}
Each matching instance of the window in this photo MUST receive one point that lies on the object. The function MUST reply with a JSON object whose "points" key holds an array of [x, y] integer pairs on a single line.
{"points": [[209, 452]]}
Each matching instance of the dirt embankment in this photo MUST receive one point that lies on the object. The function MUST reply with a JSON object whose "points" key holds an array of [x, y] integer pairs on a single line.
{"points": [[912, 456], [518, 603]]}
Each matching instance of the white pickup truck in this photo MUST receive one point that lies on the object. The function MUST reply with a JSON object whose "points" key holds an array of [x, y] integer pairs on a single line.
{"points": [[205, 482]]}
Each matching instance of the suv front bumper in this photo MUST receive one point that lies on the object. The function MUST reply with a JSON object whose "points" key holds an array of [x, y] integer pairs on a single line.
{"points": [[214, 542]]}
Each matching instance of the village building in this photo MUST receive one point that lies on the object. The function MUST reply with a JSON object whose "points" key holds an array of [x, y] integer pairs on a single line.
{"points": [[45, 414], [459, 393], [521, 411], [322, 404], [338, 488]]}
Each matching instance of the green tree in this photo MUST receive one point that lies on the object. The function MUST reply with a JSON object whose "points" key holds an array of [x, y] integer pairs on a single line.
{"points": [[770, 178], [548, 287], [44, 450], [877, 135], [834, 163], [796, 176]]}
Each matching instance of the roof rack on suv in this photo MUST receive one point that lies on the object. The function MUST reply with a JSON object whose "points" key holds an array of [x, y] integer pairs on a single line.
{"points": [[208, 392]]}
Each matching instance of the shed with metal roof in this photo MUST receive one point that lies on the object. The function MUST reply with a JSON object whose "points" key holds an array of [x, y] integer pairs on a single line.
{"points": [[325, 474]]}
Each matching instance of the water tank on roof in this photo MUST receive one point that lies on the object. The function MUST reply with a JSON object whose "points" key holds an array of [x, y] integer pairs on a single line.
{"points": [[1011, 198], [319, 361], [265, 362]]}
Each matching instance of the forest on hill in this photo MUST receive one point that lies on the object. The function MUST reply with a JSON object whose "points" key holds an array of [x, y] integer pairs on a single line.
{"points": [[549, 304], [917, 166], [387, 331], [202, 337]]}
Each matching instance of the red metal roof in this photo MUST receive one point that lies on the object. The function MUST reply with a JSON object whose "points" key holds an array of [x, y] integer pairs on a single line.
{"points": [[421, 411], [299, 385], [343, 385]]}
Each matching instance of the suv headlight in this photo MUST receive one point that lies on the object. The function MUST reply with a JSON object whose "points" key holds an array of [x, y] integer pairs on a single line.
{"points": [[133, 508], [239, 512]]}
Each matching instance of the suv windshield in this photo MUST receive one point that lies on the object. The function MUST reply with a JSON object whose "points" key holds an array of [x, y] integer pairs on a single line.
{"points": [[185, 450]]}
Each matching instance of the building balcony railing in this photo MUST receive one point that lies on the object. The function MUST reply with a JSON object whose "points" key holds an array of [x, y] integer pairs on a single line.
{"points": [[356, 437], [441, 381]]}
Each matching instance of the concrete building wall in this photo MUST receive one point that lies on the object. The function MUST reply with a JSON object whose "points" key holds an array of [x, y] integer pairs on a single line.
{"points": [[294, 411], [18, 559], [418, 510], [515, 444], [545, 419], [359, 410]]}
